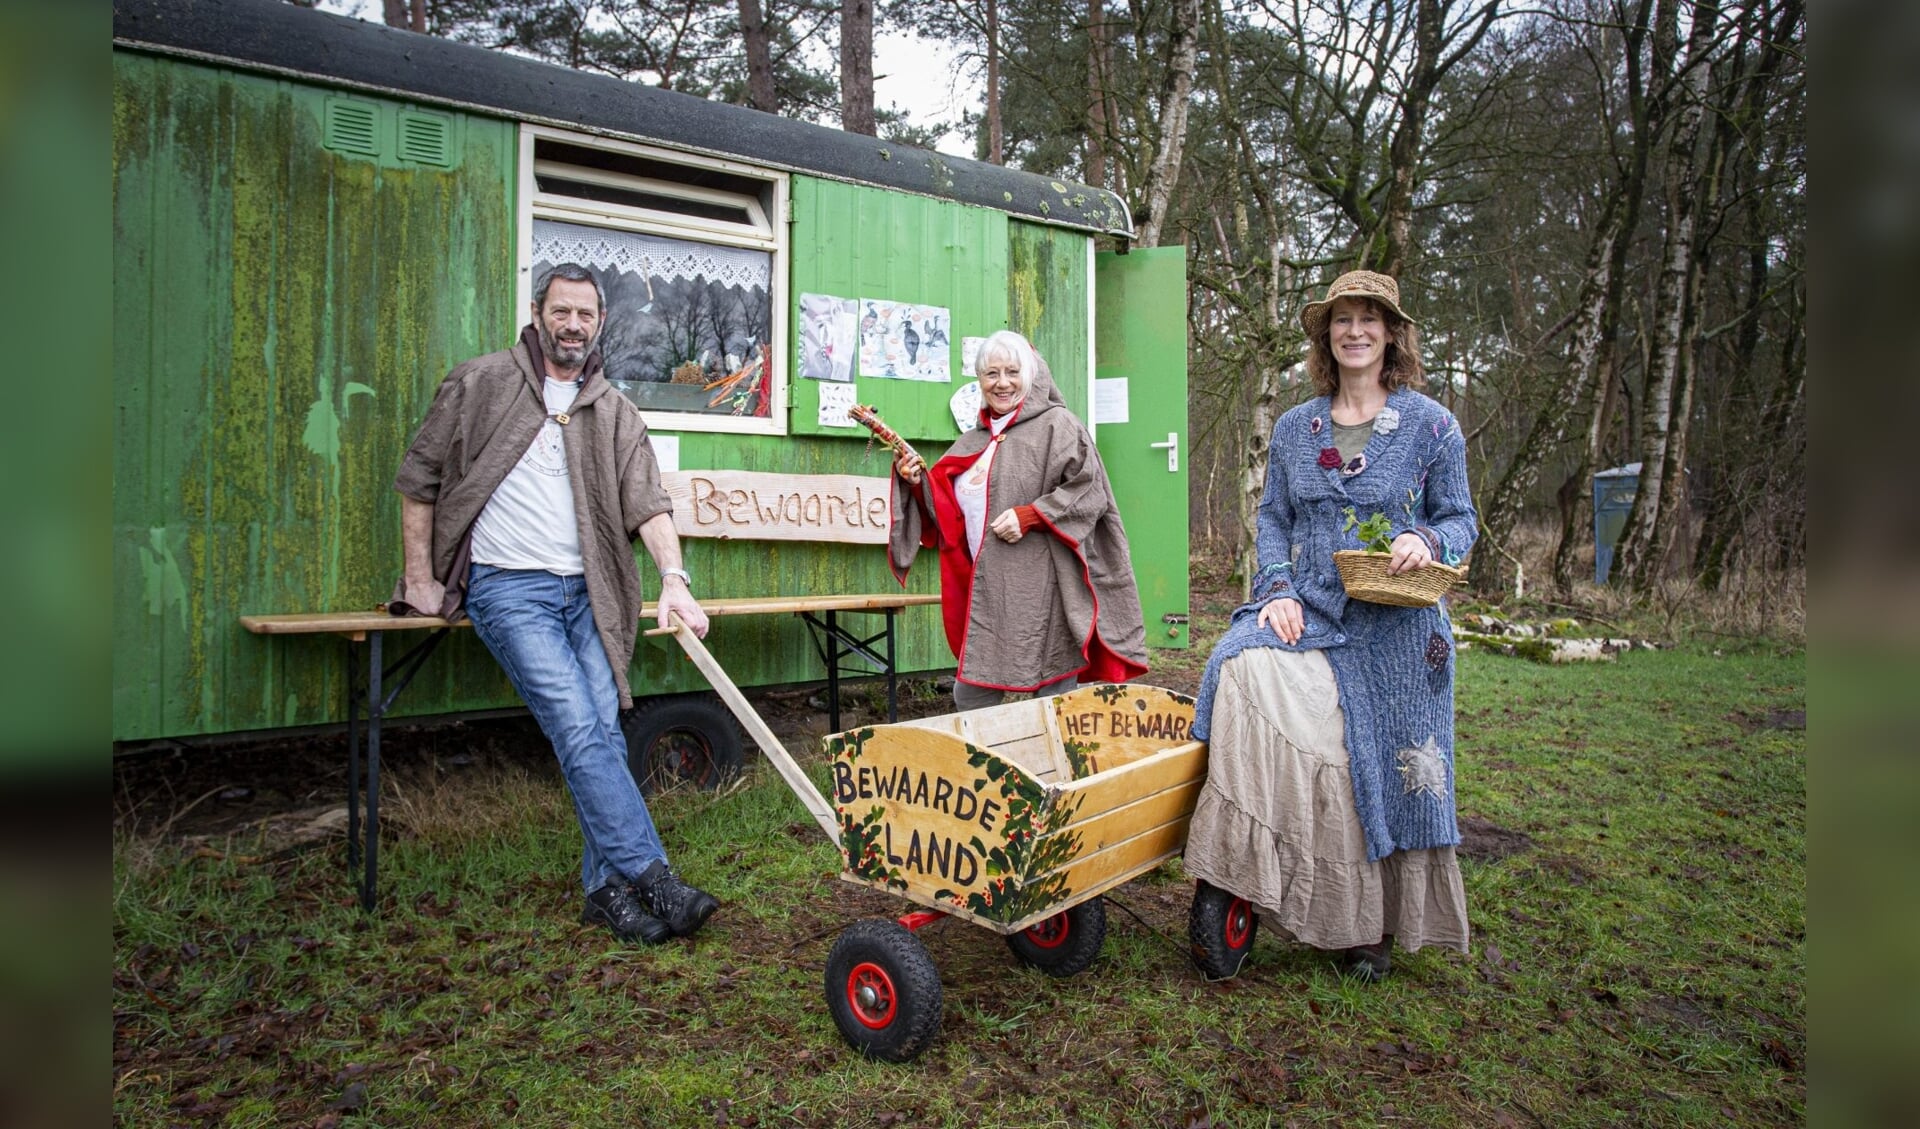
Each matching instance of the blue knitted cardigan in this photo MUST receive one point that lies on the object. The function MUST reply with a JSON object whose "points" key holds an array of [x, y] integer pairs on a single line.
{"points": [[1394, 666]]}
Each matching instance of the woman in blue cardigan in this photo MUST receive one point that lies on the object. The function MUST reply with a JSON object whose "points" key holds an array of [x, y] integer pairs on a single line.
{"points": [[1329, 801]]}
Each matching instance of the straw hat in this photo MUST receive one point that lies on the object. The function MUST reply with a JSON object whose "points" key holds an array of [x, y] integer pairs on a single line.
{"points": [[1380, 288]]}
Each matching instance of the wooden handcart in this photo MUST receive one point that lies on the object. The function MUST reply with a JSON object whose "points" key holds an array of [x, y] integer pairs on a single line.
{"points": [[1016, 818]]}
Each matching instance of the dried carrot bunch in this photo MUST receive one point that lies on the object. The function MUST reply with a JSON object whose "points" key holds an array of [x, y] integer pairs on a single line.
{"points": [[870, 419]]}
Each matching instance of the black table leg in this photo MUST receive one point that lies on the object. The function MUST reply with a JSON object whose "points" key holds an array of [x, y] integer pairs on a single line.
{"points": [[833, 673], [381, 688], [376, 710], [893, 696], [353, 758]]}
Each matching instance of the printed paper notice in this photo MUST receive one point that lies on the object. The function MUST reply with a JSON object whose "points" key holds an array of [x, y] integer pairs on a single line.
{"points": [[827, 337], [903, 341], [666, 451], [969, 353], [835, 399], [966, 406], [1110, 400]]}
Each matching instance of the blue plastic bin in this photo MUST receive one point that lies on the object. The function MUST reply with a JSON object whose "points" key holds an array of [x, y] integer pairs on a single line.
{"points": [[1613, 492]]}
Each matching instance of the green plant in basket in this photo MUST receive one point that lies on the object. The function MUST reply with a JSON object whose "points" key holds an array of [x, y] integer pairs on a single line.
{"points": [[1375, 533], [1364, 571]]}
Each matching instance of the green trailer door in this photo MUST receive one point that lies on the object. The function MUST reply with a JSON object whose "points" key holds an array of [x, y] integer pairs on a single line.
{"points": [[1140, 337]]}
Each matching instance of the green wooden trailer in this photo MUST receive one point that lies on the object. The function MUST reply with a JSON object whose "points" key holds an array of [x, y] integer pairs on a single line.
{"points": [[315, 217]]}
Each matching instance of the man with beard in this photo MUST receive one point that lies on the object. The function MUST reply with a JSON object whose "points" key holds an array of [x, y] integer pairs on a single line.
{"points": [[520, 500]]}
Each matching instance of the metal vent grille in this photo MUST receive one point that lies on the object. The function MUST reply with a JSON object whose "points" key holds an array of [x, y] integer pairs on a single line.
{"points": [[352, 127], [423, 139]]}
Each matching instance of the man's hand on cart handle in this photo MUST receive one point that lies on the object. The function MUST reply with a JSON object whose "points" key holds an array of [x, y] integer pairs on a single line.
{"points": [[679, 608]]}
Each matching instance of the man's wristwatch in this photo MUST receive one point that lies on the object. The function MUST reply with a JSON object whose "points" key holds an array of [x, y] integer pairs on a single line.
{"points": [[679, 572]]}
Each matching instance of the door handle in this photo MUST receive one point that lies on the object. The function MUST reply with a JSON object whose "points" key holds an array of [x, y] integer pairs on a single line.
{"points": [[1172, 448]]}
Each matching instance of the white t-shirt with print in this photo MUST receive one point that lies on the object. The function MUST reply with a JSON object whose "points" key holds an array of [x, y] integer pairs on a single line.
{"points": [[970, 489]]}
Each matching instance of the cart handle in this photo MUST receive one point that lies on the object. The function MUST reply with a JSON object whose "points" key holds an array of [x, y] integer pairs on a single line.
{"points": [[783, 761]]}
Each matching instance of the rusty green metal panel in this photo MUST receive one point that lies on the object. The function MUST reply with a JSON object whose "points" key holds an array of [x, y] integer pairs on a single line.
{"points": [[856, 242], [282, 314], [1047, 288]]}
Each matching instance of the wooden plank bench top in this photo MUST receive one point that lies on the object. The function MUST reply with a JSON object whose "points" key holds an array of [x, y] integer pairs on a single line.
{"points": [[356, 625]]}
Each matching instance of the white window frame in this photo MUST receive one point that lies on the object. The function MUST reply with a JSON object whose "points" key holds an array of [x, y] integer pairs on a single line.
{"points": [[766, 232]]}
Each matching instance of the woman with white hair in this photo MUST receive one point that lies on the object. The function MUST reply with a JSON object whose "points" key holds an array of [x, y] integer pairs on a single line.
{"points": [[1036, 584]]}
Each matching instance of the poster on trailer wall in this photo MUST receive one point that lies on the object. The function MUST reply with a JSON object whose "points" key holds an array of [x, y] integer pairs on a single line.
{"points": [[827, 337], [902, 341]]}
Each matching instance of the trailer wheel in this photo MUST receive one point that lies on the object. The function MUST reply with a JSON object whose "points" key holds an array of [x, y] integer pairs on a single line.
{"points": [[681, 740], [883, 991], [1065, 943], [1221, 927]]}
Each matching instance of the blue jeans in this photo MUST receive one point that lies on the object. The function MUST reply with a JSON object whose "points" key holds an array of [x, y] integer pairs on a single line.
{"points": [[540, 628]]}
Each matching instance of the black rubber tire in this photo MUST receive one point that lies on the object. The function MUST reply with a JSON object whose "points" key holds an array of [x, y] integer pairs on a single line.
{"points": [[883, 990], [1221, 927], [682, 741], [1065, 943]]}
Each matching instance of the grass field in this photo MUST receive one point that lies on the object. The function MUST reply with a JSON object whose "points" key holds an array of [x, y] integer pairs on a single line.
{"points": [[1637, 899]]}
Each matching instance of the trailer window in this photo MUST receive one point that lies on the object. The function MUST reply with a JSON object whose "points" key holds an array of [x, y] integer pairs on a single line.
{"points": [[692, 264]]}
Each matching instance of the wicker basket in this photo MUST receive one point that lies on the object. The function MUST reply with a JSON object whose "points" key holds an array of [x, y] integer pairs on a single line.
{"points": [[1366, 578]]}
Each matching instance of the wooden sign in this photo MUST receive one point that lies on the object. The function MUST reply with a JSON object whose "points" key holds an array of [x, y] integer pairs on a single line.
{"points": [[757, 506], [993, 816]]}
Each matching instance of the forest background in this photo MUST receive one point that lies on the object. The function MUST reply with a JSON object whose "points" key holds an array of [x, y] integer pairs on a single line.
{"points": [[1596, 209]]}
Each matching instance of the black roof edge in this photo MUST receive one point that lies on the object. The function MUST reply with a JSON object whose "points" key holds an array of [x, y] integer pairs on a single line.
{"points": [[278, 37]]}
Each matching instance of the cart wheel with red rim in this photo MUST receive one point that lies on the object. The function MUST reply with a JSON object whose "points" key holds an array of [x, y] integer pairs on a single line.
{"points": [[883, 990], [1221, 927], [1065, 943]]}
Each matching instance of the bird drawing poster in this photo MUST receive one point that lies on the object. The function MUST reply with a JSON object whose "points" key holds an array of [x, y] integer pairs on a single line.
{"points": [[904, 341], [826, 336]]}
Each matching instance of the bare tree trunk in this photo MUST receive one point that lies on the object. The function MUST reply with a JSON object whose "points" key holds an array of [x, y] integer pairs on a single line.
{"points": [[1403, 151], [1256, 290], [1099, 76], [1659, 509], [1183, 50], [1433, 57], [856, 67], [1559, 415], [753, 29], [397, 13], [1740, 487], [1732, 490], [1583, 393], [996, 144], [1600, 340]]}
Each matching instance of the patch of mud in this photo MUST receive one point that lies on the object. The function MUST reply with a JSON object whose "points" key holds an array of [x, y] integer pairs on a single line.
{"points": [[1485, 841], [1753, 721]]}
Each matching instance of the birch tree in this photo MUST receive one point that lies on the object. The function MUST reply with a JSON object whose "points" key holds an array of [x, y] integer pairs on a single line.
{"points": [[1169, 143], [1576, 402], [1659, 507]]}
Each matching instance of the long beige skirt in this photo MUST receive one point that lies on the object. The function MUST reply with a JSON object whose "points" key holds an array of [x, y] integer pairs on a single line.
{"points": [[1276, 823]]}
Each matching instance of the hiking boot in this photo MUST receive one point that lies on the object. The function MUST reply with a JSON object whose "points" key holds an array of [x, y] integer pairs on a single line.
{"points": [[684, 908], [615, 907], [1370, 963]]}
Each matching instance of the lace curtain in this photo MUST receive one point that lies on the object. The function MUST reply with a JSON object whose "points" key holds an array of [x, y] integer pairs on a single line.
{"points": [[650, 256]]}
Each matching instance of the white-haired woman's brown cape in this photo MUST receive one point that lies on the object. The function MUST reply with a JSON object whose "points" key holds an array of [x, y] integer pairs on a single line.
{"points": [[1059, 601]]}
